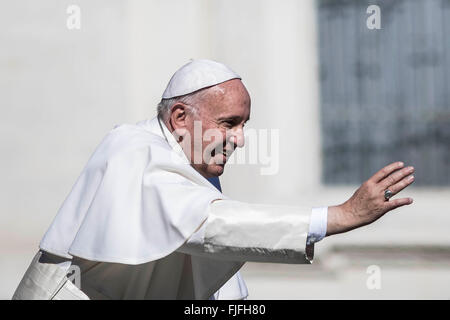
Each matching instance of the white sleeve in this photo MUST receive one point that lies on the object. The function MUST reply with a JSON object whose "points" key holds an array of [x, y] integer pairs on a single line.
{"points": [[318, 225], [239, 231]]}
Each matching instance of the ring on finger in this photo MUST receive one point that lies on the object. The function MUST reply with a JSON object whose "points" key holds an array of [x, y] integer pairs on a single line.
{"points": [[388, 194]]}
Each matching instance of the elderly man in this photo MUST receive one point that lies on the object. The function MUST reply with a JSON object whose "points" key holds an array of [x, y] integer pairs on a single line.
{"points": [[146, 218]]}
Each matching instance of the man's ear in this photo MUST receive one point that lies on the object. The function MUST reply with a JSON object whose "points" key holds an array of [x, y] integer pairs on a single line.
{"points": [[178, 121], [178, 116]]}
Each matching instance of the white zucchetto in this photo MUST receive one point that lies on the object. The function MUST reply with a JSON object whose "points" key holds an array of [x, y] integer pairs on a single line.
{"points": [[196, 75]]}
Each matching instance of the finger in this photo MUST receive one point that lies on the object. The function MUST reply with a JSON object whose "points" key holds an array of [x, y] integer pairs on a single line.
{"points": [[396, 188], [386, 171], [393, 204], [395, 177]]}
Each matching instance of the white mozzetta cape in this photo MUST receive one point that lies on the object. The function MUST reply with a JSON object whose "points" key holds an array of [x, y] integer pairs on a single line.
{"points": [[137, 200], [141, 209]]}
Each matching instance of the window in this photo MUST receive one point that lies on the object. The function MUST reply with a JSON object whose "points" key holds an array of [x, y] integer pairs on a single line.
{"points": [[385, 94]]}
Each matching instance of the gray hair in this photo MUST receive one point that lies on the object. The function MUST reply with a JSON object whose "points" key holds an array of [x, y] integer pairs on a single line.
{"points": [[191, 99]]}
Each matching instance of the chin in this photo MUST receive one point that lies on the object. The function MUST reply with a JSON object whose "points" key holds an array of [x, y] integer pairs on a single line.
{"points": [[216, 170]]}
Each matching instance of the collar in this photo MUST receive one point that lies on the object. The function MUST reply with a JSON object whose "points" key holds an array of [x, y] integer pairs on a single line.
{"points": [[157, 127]]}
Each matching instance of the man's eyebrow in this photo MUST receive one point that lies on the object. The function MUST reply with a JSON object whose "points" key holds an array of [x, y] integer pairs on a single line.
{"points": [[233, 118]]}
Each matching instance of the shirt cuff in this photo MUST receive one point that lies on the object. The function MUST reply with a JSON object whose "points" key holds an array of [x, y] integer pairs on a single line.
{"points": [[318, 225]]}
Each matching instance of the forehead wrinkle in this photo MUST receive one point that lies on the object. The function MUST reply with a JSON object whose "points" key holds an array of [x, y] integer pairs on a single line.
{"points": [[217, 99], [213, 100]]}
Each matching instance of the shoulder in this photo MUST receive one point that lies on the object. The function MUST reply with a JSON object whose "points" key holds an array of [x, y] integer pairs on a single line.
{"points": [[128, 141], [130, 136]]}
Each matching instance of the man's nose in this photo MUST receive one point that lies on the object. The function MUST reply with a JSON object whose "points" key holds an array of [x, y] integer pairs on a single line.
{"points": [[238, 138]]}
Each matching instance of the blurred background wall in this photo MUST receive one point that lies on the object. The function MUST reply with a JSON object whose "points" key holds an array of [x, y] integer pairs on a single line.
{"points": [[346, 100]]}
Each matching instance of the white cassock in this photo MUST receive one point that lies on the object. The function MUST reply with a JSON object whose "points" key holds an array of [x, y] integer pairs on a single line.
{"points": [[141, 223]]}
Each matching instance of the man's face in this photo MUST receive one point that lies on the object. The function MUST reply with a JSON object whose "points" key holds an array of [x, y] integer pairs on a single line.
{"points": [[221, 117]]}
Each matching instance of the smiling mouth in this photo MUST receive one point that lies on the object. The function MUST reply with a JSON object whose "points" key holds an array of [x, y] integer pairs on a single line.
{"points": [[219, 151], [214, 152]]}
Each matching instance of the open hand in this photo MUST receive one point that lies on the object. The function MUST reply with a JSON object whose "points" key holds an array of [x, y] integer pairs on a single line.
{"points": [[368, 203]]}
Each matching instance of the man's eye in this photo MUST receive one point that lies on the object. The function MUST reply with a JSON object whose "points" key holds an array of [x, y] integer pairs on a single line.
{"points": [[229, 124]]}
